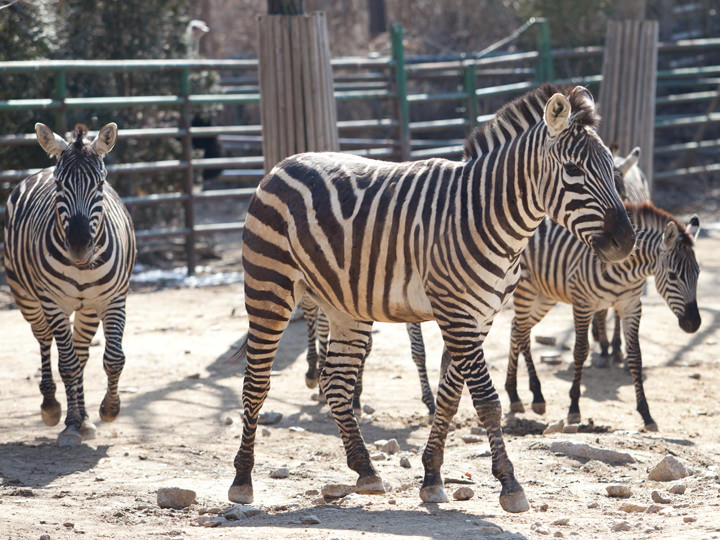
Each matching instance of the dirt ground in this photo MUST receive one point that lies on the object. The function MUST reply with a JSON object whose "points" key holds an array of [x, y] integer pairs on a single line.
{"points": [[180, 426]]}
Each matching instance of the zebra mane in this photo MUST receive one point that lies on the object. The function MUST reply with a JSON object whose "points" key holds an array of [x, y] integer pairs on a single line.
{"points": [[524, 112], [78, 136], [646, 213]]}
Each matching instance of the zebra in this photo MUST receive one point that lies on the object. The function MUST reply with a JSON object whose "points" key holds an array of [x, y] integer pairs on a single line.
{"points": [[408, 242], [318, 331], [558, 268], [70, 247], [633, 187]]}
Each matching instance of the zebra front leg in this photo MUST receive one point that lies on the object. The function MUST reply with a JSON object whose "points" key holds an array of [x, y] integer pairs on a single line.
{"points": [[631, 324], [310, 314], [417, 350], [538, 402], [323, 327], [114, 357], [338, 379], [50, 409], [71, 373], [582, 320], [84, 327], [617, 354], [517, 339], [599, 333]]}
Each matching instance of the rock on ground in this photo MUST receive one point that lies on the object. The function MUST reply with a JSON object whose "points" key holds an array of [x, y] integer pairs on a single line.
{"points": [[174, 497], [555, 427], [268, 418], [660, 498], [463, 494], [389, 447], [617, 490], [280, 472], [336, 491], [210, 521], [678, 489], [620, 526], [669, 469], [585, 451], [240, 511]]}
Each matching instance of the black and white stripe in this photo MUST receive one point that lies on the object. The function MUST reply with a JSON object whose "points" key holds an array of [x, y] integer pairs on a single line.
{"points": [[558, 268], [70, 247], [409, 242]]}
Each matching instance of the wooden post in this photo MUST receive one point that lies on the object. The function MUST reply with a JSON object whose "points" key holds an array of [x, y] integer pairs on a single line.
{"points": [[627, 91], [297, 103]]}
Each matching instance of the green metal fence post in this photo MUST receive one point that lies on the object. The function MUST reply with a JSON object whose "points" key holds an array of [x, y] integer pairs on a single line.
{"points": [[60, 94], [544, 68], [398, 54], [185, 122], [469, 87]]}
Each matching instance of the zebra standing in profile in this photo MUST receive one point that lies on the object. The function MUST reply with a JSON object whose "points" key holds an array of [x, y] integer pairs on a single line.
{"points": [[633, 187], [70, 247], [559, 268], [410, 242]]}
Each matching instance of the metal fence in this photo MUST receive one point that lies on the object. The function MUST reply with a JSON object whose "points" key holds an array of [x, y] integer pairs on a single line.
{"points": [[389, 107]]}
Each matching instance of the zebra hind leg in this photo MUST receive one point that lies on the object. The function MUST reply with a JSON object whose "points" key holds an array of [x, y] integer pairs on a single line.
{"points": [[518, 340], [84, 327], [50, 409], [113, 358], [338, 379], [310, 314], [357, 406], [417, 349], [599, 333]]}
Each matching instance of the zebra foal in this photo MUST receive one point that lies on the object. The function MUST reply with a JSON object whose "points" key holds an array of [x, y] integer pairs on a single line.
{"points": [[70, 247], [410, 242], [558, 268]]}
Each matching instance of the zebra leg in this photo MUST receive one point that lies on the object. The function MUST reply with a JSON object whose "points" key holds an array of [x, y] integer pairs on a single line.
{"points": [[516, 337], [84, 328], [617, 354], [310, 313], [417, 349], [71, 373], [114, 357], [599, 333], [468, 366], [631, 324], [50, 409], [338, 379], [582, 318], [357, 407], [323, 338], [266, 327]]}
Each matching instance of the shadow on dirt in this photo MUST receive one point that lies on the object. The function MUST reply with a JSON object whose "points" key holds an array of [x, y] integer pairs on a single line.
{"points": [[37, 465]]}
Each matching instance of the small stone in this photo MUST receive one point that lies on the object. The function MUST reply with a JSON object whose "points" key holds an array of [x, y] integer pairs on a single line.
{"points": [[310, 519], [653, 509], [212, 510], [571, 428], [689, 519], [173, 497], [620, 526], [463, 494], [44, 537], [678, 489], [551, 357], [312, 492], [543, 507], [69, 525], [617, 490], [469, 439], [210, 521], [240, 511], [269, 418], [228, 420], [315, 397], [561, 521], [265, 432], [367, 409], [545, 340], [558, 534], [389, 447], [631, 507], [593, 504], [280, 472], [586, 451], [670, 468], [296, 429], [539, 528], [695, 376], [659, 498], [488, 529], [668, 511], [477, 430], [405, 462], [379, 456], [556, 427], [336, 491]]}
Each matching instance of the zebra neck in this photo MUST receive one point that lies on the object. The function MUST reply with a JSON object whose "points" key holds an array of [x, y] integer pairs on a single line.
{"points": [[642, 262]]}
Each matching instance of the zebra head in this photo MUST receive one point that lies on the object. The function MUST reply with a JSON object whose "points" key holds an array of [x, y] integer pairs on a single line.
{"points": [[579, 190], [677, 272], [79, 179]]}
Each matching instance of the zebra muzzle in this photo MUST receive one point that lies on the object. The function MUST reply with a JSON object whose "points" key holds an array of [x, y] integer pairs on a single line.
{"points": [[690, 319], [618, 237]]}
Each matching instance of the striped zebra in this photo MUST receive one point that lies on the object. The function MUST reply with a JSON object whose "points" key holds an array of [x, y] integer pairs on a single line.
{"points": [[410, 242], [633, 187], [558, 268], [318, 330], [70, 247]]}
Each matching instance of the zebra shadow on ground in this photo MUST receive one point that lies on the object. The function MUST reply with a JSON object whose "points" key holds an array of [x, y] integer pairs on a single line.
{"points": [[35, 465]]}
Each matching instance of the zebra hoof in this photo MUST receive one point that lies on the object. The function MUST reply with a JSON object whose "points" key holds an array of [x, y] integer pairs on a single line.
{"points": [[370, 485], [310, 382], [517, 406], [514, 502], [87, 430], [109, 409], [433, 494], [652, 426], [538, 407], [241, 494], [70, 436], [51, 411], [574, 418]]}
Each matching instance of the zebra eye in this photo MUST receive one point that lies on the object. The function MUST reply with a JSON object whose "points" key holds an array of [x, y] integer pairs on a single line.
{"points": [[572, 169]]}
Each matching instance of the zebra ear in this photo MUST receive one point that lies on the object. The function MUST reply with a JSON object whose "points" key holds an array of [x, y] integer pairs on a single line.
{"points": [[557, 112], [632, 158], [105, 139], [670, 234], [52, 143], [693, 227]]}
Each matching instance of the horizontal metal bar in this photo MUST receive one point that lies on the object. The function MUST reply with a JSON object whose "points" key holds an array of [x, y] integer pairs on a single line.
{"points": [[688, 72], [687, 98], [363, 94], [684, 147], [212, 228], [440, 96], [438, 124], [31, 66], [678, 120], [239, 193], [687, 171], [157, 198]]}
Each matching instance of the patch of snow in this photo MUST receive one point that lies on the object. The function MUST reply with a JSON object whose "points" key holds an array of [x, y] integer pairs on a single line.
{"points": [[177, 277]]}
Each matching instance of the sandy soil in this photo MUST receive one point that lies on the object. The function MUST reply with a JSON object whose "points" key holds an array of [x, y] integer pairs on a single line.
{"points": [[179, 426]]}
